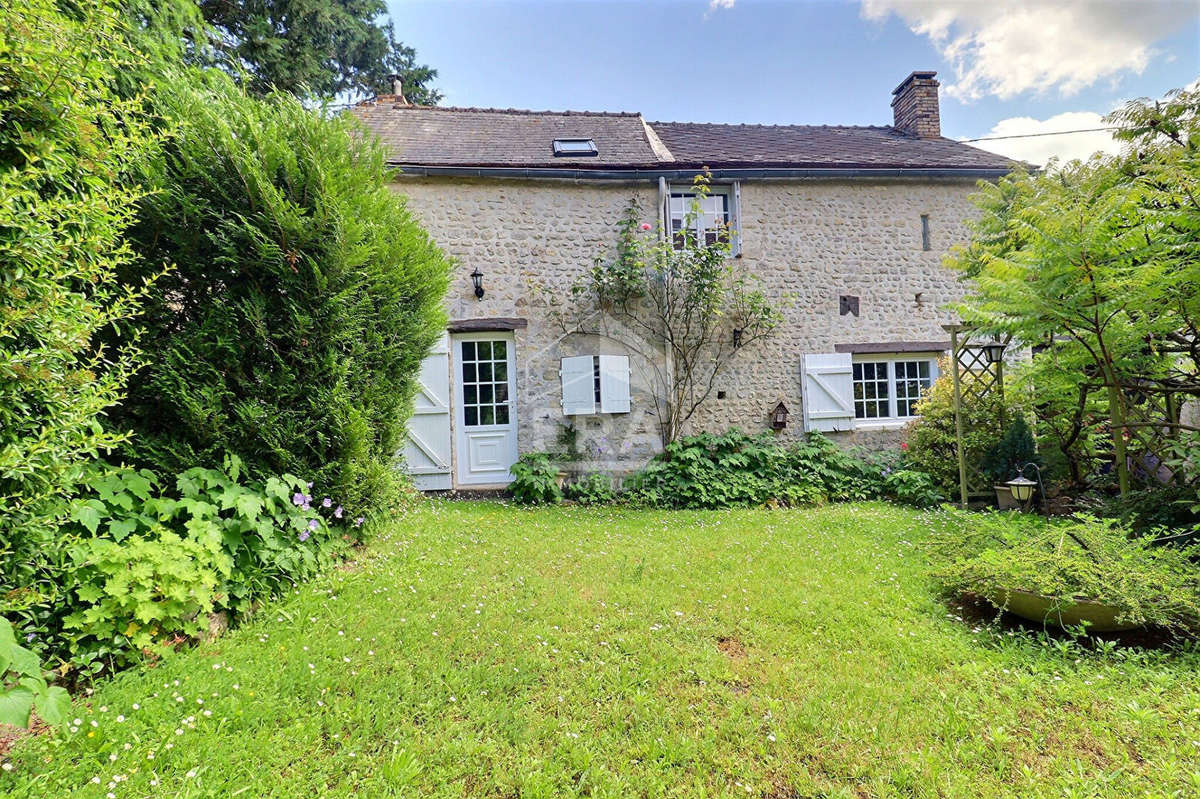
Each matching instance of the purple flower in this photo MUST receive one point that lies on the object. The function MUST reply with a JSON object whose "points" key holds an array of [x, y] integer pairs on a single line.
{"points": [[30, 637], [326, 503], [309, 486], [337, 512], [304, 535], [358, 522], [313, 524], [297, 498]]}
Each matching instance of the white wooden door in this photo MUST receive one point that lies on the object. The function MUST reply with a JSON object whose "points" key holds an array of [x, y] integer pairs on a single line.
{"points": [[485, 408], [427, 446]]}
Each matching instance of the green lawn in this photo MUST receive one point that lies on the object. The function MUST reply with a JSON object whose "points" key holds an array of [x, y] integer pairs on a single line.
{"points": [[482, 650]]}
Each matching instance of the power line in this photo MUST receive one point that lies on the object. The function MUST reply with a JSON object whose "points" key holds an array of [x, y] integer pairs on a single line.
{"points": [[1032, 135]]}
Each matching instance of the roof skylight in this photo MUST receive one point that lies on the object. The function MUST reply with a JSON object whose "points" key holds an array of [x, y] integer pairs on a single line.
{"points": [[575, 147]]}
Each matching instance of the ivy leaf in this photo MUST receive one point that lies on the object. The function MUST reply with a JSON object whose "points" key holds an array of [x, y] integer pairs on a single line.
{"points": [[249, 505], [15, 705], [121, 528], [54, 705]]}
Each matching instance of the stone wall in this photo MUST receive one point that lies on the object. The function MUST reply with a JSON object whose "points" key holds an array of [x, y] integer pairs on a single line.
{"points": [[809, 241]]}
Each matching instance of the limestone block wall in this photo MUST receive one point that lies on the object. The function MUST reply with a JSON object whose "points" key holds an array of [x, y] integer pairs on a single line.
{"points": [[809, 241]]}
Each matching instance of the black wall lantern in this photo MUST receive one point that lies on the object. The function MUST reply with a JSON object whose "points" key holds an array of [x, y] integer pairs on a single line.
{"points": [[477, 279], [737, 337], [779, 417]]}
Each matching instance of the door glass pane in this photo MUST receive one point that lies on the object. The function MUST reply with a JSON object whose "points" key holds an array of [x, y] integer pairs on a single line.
{"points": [[485, 383]]}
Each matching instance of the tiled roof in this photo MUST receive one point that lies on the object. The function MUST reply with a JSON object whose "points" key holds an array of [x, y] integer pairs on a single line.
{"points": [[816, 146], [505, 137], [486, 138]]}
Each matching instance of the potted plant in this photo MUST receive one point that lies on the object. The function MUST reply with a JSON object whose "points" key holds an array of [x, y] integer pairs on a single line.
{"points": [[1002, 459]]}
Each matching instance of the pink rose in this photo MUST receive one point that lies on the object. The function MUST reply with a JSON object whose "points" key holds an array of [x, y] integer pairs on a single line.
{"points": [[645, 226]]}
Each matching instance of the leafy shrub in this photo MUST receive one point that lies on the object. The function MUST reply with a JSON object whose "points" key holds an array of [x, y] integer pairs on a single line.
{"points": [[1173, 507], [910, 487], [1081, 558], [302, 300], [66, 141], [535, 480], [930, 439], [142, 565], [23, 686], [734, 469], [595, 488], [1014, 449]]}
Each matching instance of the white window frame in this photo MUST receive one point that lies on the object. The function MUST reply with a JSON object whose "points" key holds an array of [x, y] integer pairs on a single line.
{"points": [[890, 359], [688, 193]]}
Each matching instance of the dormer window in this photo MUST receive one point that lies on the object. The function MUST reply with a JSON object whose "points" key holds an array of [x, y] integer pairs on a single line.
{"points": [[575, 147]]}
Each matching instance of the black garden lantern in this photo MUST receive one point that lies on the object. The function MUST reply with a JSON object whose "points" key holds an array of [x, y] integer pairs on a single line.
{"points": [[779, 417], [477, 279], [994, 351]]}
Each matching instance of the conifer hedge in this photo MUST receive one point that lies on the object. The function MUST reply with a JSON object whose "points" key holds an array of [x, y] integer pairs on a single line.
{"points": [[301, 296]]}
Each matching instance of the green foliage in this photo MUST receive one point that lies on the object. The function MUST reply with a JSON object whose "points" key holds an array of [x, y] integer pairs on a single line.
{"points": [[930, 439], [594, 488], [1081, 558], [325, 48], [302, 301], [1016, 448], [141, 595], [1096, 259], [23, 686], [910, 487], [535, 480], [734, 469], [142, 564], [675, 293], [66, 141]]}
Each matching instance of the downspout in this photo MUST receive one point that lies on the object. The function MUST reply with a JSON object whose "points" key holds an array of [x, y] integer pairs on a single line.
{"points": [[664, 236]]}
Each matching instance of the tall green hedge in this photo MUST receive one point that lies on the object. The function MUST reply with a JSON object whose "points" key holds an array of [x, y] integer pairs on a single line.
{"points": [[301, 299], [66, 139]]}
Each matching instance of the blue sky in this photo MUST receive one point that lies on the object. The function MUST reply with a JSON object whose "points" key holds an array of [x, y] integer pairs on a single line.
{"points": [[1015, 67]]}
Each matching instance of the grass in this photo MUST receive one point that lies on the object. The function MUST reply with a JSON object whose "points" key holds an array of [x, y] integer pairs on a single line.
{"points": [[483, 650]]}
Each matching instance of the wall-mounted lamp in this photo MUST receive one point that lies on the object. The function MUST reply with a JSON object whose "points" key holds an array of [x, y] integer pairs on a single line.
{"points": [[737, 337], [779, 417], [477, 279]]}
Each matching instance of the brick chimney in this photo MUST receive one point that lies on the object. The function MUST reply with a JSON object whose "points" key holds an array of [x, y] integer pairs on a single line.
{"points": [[915, 106]]}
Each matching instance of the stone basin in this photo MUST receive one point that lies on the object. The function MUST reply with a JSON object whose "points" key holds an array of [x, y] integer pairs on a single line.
{"points": [[1100, 618]]}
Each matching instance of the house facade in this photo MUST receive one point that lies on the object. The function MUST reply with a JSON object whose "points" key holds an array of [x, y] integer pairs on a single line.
{"points": [[845, 229]]}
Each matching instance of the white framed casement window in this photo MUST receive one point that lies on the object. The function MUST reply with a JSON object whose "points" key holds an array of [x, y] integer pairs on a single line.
{"points": [[595, 384], [888, 387], [713, 218]]}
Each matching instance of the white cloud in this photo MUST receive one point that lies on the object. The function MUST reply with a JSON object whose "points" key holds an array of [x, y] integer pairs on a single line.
{"points": [[1040, 149], [1005, 48], [717, 5]]}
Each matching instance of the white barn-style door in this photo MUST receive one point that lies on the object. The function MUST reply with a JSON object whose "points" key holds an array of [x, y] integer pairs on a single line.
{"points": [[485, 412], [427, 446]]}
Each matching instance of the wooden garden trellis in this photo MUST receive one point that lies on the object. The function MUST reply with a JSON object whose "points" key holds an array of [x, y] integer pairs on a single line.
{"points": [[969, 356], [1153, 425]]}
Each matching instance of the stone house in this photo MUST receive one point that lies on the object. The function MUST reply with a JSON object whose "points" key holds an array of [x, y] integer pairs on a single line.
{"points": [[845, 227]]}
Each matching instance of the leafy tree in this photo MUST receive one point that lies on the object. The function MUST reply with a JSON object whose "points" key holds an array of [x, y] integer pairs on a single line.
{"points": [[680, 295], [66, 142], [302, 300], [316, 47]]}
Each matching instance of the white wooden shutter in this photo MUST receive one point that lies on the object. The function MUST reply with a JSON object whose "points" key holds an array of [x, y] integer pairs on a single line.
{"points": [[614, 384], [828, 392], [664, 208], [578, 385], [427, 441]]}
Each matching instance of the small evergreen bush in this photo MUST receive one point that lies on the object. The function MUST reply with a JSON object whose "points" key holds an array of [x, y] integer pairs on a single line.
{"points": [[1014, 449], [535, 480], [301, 300]]}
